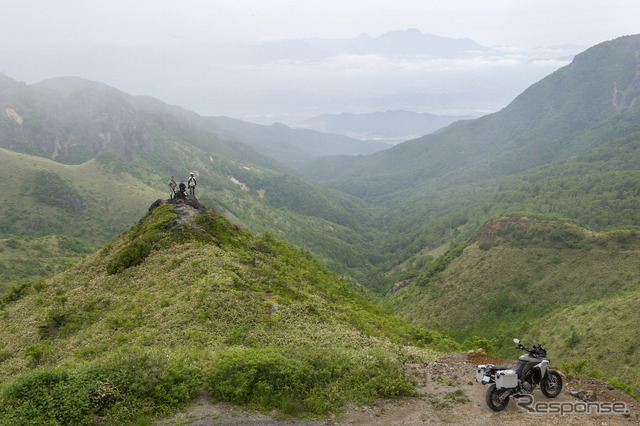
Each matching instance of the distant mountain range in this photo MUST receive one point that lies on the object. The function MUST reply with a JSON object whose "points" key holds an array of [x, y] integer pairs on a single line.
{"points": [[84, 102], [409, 42], [389, 126]]}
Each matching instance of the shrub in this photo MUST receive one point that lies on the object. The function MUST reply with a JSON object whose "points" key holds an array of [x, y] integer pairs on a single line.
{"points": [[54, 396], [131, 255], [485, 245], [51, 189], [15, 292], [577, 368], [300, 379], [126, 386]]}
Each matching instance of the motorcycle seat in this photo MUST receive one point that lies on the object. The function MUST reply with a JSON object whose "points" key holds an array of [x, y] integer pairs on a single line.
{"points": [[498, 367]]}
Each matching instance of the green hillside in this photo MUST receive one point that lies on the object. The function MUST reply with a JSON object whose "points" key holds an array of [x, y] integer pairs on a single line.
{"points": [[598, 338], [54, 213], [77, 122], [598, 188], [541, 153], [185, 300], [585, 104], [532, 275]]}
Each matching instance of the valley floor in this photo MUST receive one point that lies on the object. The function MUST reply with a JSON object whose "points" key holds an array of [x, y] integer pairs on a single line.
{"points": [[448, 394]]}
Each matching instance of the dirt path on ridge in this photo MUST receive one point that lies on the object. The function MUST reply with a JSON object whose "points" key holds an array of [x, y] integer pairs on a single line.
{"points": [[447, 394]]}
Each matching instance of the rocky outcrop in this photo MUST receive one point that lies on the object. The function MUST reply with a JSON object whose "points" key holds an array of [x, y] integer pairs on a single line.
{"points": [[185, 208], [397, 286]]}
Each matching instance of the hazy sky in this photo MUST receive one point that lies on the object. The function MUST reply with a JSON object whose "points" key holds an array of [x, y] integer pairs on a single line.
{"points": [[40, 39], [489, 22]]}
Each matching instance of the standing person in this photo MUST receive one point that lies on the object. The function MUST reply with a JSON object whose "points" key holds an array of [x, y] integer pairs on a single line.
{"points": [[172, 188], [191, 183]]}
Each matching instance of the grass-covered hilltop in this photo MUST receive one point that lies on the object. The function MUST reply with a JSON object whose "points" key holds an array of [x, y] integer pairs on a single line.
{"points": [[185, 301]]}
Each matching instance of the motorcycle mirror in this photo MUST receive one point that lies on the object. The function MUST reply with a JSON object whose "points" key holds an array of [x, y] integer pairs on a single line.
{"points": [[516, 341]]}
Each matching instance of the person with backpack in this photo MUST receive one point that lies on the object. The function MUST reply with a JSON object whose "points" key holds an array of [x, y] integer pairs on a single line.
{"points": [[172, 188], [191, 183]]}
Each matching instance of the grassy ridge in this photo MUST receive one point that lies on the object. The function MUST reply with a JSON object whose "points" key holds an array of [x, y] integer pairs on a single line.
{"points": [[192, 301]]}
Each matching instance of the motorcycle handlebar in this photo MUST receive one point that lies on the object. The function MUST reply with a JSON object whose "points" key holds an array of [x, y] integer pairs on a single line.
{"points": [[536, 351]]}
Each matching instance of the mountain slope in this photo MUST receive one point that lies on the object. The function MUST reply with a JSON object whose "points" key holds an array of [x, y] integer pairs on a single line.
{"points": [[517, 272], [52, 213], [293, 147], [598, 338], [73, 121], [186, 298], [574, 109], [597, 188]]}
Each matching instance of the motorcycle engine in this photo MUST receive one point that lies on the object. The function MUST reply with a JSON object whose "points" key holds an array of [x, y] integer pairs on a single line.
{"points": [[527, 385]]}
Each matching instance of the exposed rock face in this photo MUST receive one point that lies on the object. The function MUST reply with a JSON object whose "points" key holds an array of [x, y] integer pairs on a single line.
{"points": [[187, 205], [11, 113], [73, 202], [185, 208], [34, 225], [397, 286]]}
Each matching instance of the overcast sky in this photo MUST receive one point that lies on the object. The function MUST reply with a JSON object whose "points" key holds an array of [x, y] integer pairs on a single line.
{"points": [[489, 22], [31, 28]]}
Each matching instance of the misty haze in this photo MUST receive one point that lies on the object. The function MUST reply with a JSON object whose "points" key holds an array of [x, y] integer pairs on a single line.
{"points": [[290, 81]]}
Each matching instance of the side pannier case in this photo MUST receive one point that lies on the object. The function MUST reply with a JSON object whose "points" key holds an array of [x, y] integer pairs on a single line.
{"points": [[480, 370], [506, 379]]}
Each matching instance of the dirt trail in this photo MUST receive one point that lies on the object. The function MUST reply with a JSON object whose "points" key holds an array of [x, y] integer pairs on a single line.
{"points": [[447, 394]]}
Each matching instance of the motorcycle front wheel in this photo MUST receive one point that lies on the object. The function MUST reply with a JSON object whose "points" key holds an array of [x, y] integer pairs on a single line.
{"points": [[551, 385], [493, 399]]}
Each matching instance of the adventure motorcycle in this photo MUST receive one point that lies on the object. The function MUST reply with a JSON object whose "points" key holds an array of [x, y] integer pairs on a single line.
{"points": [[531, 370]]}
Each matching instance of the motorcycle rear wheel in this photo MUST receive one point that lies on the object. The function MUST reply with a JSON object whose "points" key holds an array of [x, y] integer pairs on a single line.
{"points": [[493, 399], [551, 385]]}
